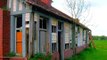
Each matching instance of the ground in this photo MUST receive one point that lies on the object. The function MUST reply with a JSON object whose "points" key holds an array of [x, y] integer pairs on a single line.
{"points": [[100, 53]]}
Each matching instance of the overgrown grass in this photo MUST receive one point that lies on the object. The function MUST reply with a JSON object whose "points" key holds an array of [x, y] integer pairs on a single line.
{"points": [[100, 53]]}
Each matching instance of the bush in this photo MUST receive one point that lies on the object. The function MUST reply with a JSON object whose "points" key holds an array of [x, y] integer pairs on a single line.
{"points": [[11, 54], [41, 56], [48, 57]]}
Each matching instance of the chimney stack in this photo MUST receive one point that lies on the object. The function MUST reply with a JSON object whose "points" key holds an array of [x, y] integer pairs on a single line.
{"points": [[47, 2]]}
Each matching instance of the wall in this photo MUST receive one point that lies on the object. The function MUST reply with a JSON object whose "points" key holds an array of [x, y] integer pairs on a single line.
{"points": [[3, 3], [4, 32], [13, 58]]}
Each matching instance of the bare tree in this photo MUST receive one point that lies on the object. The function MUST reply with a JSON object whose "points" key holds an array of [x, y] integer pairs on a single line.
{"points": [[77, 8]]}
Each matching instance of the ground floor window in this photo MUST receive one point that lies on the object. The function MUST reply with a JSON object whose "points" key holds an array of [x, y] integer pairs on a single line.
{"points": [[54, 47], [67, 45]]}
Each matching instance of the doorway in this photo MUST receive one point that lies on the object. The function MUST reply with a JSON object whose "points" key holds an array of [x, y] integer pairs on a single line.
{"points": [[60, 40], [42, 34], [59, 44], [43, 41], [19, 35]]}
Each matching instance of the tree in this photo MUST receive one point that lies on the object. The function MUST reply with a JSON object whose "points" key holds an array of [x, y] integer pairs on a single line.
{"points": [[78, 8]]}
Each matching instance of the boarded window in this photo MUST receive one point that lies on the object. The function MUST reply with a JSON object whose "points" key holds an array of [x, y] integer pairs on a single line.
{"points": [[68, 35]]}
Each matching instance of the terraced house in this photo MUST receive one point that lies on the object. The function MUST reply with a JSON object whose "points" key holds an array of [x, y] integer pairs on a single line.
{"points": [[34, 26]]}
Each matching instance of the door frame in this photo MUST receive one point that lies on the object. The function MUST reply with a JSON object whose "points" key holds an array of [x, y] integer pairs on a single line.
{"points": [[62, 42], [16, 16], [41, 29]]}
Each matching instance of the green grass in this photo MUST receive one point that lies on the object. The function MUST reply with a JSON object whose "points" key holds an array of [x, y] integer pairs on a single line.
{"points": [[100, 53]]}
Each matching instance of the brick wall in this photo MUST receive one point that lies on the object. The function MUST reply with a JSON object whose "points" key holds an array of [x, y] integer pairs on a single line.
{"points": [[3, 3], [81, 48], [1, 26], [68, 53], [55, 56], [13, 58], [4, 32]]}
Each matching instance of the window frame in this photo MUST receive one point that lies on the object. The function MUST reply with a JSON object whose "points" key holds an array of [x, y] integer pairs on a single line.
{"points": [[43, 23]]}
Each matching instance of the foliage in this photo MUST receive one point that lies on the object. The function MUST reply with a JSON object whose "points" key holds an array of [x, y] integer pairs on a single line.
{"points": [[11, 54], [93, 54], [4, 8], [77, 7], [41, 56], [99, 37]]}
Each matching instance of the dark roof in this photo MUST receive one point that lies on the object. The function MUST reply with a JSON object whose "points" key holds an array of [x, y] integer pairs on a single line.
{"points": [[53, 11]]}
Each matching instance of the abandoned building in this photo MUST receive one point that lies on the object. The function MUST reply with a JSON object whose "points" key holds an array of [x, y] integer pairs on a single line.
{"points": [[35, 26]]}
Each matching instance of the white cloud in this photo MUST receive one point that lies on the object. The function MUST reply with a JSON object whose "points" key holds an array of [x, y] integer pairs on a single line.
{"points": [[99, 18]]}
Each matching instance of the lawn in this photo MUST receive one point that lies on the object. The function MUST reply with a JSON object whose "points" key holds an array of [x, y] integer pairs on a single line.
{"points": [[100, 53]]}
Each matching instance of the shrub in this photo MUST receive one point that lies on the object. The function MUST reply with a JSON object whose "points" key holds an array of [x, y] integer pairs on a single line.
{"points": [[41, 56], [11, 54], [48, 57]]}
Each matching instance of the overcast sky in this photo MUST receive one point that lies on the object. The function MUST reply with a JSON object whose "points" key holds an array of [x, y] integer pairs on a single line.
{"points": [[98, 15]]}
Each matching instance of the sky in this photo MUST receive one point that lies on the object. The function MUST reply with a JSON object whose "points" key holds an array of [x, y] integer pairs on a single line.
{"points": [[97, 21]]}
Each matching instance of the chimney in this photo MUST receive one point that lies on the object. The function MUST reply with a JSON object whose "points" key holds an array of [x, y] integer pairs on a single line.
{"points": [[76, 20], [47, 2]]}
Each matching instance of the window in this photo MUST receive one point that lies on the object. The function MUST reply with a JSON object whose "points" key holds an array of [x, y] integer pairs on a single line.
{"points": [[27, 22], [67, 46], [68, 35], [59, 25], [43, 23], [40, 23], [53, 29], [54, 39], [54, 47], [19, 22]]}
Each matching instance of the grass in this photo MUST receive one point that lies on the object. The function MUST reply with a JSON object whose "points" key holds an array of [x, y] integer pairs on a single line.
{"points": [[100, 53]]}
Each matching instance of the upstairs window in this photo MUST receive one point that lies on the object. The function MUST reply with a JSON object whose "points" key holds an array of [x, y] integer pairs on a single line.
{"points": [[43, 23], [53, 29], [59, 25]]}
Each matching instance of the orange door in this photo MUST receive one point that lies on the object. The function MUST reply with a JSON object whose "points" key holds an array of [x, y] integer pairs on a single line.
{"points": [[19, 43]]}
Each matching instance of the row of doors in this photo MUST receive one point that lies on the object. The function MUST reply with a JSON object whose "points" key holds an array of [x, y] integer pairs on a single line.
{"points": [[42, 35]]}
